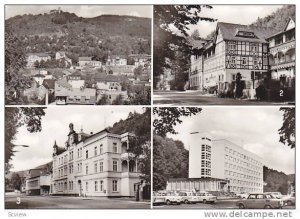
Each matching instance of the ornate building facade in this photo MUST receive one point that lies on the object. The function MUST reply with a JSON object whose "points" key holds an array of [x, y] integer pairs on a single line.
{"points": [[97, 164], [245, 50]]}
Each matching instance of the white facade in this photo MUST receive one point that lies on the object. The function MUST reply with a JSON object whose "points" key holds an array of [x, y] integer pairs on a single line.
{"points": [[95, 165], [222, 159]]}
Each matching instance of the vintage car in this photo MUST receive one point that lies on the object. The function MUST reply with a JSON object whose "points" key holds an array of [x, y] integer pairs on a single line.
{"points": [[289, 199], [275, 194], [242, 195], [171, 198], [206, 197], [260, 200], [188, 197], [158, 198]]}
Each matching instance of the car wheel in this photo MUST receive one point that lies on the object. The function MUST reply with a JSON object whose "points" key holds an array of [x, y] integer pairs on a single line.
{"points": [[289, 202], [267, 207], [204, 201], [186, 201], [168, 202], [241, 206]]}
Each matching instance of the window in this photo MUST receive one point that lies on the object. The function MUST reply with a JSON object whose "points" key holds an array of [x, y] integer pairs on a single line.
{"points": [[96, 167], [95, 151], [101, 148], [101, 167], [96, 186], [86, 154], [87, 186], [114, 185], [115, 166], [244, 60], [101, 185], [115, 148], [86, 169], [78, 154]]}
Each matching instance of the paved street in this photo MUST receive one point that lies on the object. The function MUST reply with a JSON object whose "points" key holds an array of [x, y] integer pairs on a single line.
{"points": [[220, 204], [63, 202], [172, 98]]}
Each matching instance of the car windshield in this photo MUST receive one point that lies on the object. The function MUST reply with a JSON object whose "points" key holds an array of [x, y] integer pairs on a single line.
{"points": [[268, 196]]}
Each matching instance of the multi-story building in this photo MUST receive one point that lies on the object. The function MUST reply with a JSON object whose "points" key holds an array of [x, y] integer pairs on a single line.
{"points": [[99, 164], [37, 181], [66, 94], [116, 60], [220, 165], [140, 59], [244, 50], [88, 62], [282, 54], [32, 58]]}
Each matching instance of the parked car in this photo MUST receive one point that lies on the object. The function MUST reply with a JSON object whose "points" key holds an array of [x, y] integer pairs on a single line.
{"points": [[289, 200], [172, 198], [242, 195], [158, 198], [275, 194], [206, 197], [260, 200], [188, 197]]}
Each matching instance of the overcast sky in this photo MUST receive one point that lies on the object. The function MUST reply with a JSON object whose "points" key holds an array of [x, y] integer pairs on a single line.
{"points": [[55, 126], [241, 14], [79, 10], [254, 128]]}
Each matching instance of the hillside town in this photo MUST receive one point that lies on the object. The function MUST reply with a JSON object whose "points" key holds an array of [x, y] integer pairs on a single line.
{"points": [[68, 59], [87, 82]]}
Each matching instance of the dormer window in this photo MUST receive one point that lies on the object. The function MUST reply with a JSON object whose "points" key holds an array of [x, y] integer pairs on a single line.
{"points": [[246, 34]]}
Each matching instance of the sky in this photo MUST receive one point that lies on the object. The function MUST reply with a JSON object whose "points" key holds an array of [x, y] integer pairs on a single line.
{"points": [[254, 128], [81, 10], [55, 126], [242, 14]]}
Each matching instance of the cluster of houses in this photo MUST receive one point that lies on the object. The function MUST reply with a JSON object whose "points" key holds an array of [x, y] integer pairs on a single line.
{"points": [[88, 81]]}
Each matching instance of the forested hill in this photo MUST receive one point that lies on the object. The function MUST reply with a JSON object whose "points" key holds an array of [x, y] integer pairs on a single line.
{"points": [[277, 181], [278, 18], [78, 36], [136, 123]]}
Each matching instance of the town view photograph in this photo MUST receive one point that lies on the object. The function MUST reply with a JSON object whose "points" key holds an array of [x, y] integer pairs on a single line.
{"points": [[83, 55], [224, 55], [224, 158], [85, 158]]}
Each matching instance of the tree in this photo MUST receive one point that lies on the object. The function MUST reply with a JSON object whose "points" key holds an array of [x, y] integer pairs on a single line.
{"points": [[15, 60], [103, 100], [16, 181], [170, 160], [140, 96], [16, 117], [168, 117], [195, 34], [118, 100], [167, 40], [287, 130]]}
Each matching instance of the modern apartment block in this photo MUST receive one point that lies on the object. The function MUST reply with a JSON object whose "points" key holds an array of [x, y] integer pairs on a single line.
{"points": [[220, 165], [258, 54], [97, 164]]}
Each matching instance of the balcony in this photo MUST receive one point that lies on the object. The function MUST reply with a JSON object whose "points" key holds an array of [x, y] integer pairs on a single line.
{"points": [[283, 64], [127, 156], [282, 46]]}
